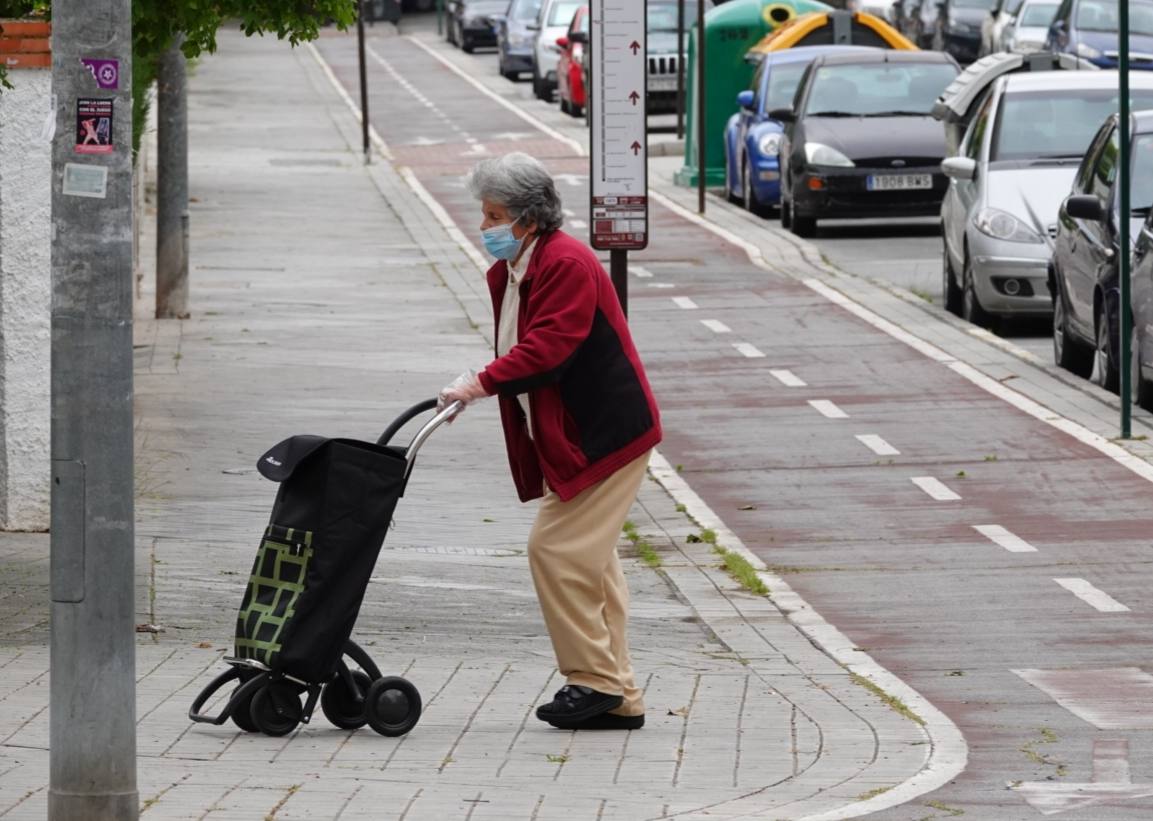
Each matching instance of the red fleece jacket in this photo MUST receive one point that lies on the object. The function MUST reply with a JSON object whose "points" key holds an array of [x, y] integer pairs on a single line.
{"points": [[592, 408]]}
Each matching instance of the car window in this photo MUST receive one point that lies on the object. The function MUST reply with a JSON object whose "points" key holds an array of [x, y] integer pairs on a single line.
{"points": [[524, 9], [1101, 15], [1105, 169], [1085, 171], [976, 135], [878, 89], [1011, 6], [662, 16], [972, 4], [1141, 174], [783, 81], [1054, 123], [561, 13], [1037, 15]]}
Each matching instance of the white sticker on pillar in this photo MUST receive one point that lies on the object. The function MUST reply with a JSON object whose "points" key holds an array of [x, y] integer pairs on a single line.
{"points": [[82, 180]]}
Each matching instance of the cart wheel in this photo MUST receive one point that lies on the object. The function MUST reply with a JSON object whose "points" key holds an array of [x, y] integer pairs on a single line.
{"points": [[392, 706], [342, 707], [241, 713], [276, 709]]}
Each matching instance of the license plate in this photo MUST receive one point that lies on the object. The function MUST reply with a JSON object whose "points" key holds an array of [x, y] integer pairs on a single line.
{"points": [[898, 182]]}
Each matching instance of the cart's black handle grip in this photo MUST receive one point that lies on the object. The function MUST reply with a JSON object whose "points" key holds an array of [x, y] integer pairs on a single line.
{"points": [[406, 417]]}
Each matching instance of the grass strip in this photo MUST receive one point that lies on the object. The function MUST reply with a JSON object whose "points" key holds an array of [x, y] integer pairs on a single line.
{"points": [[895, 704]]}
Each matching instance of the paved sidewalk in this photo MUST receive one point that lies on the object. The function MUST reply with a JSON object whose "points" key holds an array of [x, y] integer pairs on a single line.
{"points": [[327, 298]]}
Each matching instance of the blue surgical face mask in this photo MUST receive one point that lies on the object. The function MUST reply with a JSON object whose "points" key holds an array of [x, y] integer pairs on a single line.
{"points": [[500, 242]]}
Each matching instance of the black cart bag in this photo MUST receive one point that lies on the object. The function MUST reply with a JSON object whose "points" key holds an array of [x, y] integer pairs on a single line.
{"points": [[332, 511]]}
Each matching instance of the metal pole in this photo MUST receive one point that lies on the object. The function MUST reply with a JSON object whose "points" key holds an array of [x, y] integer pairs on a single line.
{"points": [[439, 17], [619, 271], [699, 100], [172, 184], [680, 69], [92, 697], [1125, 331], [363, 83]]}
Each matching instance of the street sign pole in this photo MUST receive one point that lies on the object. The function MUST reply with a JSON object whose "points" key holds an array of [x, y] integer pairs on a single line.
{"points": [[699, 101], [92, 692], [1125, 330], [618, 133], [680, 69], [363, 83]]}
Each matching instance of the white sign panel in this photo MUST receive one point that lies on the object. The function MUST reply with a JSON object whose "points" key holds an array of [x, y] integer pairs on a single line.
{"points": [[617, 119]]}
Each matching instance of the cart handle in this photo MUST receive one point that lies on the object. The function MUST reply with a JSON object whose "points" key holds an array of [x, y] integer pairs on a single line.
{"points": [[422, 435]]}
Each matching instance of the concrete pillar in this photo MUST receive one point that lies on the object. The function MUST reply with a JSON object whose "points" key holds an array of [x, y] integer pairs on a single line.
{"points": [[25, 299]]}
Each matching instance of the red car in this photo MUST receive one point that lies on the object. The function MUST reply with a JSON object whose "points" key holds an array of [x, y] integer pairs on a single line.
{"points": [[570, 84]]}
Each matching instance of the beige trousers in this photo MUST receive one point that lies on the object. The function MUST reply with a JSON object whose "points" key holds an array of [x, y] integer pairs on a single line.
{"points": [[572, 551]]}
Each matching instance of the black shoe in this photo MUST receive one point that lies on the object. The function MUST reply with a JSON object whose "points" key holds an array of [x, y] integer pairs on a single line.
{"points": [[605, 721], [575, 703]]}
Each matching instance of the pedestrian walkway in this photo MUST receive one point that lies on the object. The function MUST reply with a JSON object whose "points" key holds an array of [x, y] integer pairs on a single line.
{"points": [[326, 298]]}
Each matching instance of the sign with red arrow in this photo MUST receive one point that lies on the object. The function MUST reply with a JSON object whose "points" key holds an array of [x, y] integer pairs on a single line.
{"points": [[617, 111]]}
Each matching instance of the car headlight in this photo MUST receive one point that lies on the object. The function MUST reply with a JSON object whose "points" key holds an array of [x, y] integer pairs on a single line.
{"points": [[769, 145], [1002, 225], [821, 154], [1087, 51]]}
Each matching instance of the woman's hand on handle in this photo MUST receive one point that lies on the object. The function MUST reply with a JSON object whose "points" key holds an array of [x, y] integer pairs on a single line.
{"points": [[465, 389]]}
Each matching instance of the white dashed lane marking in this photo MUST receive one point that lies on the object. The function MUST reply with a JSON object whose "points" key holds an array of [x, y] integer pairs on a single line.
{"points": [[828, 409], [1097, 599], [661, 285], [716, 326], [877, 445], [788, 379], [935, 489], [745, 349], [1010, 541], [684, 302], [643, 273]]}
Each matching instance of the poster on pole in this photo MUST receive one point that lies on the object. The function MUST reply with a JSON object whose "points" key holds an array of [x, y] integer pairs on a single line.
{"points": [[618, 138]]}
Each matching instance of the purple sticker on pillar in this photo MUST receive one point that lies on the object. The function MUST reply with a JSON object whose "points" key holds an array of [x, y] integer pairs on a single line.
{"points": [[105, 72]]}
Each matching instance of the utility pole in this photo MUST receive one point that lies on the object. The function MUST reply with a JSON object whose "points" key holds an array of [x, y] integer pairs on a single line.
{"points": [[364, 124], [92, 707], [680, 69], [172, 184], [1125, 330], [699, 99]]}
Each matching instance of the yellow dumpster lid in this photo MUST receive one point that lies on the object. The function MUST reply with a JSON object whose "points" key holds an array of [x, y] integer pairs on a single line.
{"points": [[796, 31]]}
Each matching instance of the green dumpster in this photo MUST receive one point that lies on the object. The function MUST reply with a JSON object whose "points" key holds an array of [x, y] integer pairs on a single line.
{"points": [[731, 30]]}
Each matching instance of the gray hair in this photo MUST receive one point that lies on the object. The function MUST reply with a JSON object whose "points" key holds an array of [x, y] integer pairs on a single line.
{"points": [[522, 185]]}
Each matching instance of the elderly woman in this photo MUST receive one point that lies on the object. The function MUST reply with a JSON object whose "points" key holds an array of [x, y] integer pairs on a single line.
{"points": [[579, 424]]}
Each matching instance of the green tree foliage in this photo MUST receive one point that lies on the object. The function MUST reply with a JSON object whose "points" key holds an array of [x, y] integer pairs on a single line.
{"points": [[155, 24]]}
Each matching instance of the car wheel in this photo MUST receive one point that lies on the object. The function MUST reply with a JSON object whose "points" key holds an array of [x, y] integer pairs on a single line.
{"points": [[539, 89], [971, 308], [466, 44], [951, 293], [749, 194], [1104, 366], [1068, 353], [730, 194], [1140, 388], [786, 211], [802, 224]]}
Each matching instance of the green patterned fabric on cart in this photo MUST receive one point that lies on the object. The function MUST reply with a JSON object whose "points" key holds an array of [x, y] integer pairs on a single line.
{"points": [[277, 580]]}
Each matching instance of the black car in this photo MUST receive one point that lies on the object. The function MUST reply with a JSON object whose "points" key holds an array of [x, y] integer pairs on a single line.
{"points": [[860, 141], [1084, 277], [470, 23], [960, 23]]}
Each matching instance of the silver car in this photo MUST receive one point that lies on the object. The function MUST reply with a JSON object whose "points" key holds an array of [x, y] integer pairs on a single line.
{"points": [[1015, 165], [1027, 32], [552, 21]]}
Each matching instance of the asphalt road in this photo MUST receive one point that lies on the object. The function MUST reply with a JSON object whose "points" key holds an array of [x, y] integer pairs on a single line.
{"points": [[999, 566]]}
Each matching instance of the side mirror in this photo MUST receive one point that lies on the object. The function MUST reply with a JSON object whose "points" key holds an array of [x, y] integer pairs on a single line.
{"points": [[579, 37], [745, 99], [959, 168], [562, 42], [1084, 207], [783, 115]]}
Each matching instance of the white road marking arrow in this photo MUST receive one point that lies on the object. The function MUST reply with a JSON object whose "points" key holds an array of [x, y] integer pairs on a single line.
{"points": [[1110, 783]]}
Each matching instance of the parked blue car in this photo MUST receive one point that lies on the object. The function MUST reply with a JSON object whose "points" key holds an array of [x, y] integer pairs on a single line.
{"points": [[1089, 29], [752, 140]]}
